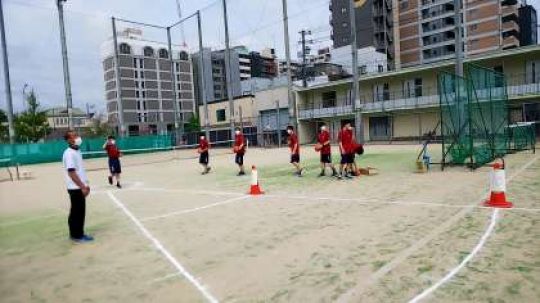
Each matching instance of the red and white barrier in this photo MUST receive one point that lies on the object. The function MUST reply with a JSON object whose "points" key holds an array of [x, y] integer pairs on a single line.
{"points": [[497, 197], [255, 187]]}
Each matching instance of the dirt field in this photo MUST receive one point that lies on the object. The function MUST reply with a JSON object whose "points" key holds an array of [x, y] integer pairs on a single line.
{"points": [[173, 235]]}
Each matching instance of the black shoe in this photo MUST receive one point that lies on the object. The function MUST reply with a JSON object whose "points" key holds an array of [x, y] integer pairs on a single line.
{"points": [[208, 169], [83, 239], [322, 174], [241, 173], [118, 185], [110, 180]]}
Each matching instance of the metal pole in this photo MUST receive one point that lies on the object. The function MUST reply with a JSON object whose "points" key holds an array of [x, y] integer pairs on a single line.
{"points": [[228, 69], [459, 43], [203, 84], [9, 99], [67, 82], [304, 62], [278, 124], [177, 122], [355, 85], [120, 107], [292, 98]]}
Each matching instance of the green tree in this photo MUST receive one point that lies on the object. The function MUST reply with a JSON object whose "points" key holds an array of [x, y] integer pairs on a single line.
{"points": [[193, 125], [32, 124], [4, 131]]}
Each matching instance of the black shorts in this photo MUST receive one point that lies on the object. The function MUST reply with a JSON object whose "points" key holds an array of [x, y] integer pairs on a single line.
{"points": [[114, 166], [347, 159], [295, 158], [203, 158], [239, 159], [326, 158]]}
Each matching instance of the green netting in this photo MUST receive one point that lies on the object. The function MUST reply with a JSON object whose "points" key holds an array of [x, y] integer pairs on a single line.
{"points": [[51, 151], [474, 116], [522, 136]]}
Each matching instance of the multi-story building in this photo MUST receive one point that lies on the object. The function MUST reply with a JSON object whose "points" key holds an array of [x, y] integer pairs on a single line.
{"points": [[264, 64], [426, 29], [374, 25], [146, 83], [404, 104], [295, 68]]}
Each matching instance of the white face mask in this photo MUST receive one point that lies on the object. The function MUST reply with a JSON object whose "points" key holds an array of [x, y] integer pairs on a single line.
{"points": [[237, 132], [289, 131], [202, 137], [113, 142], [78, 141], [323, 128]]}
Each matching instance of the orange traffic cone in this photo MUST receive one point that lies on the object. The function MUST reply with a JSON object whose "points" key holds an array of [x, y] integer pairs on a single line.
{"points": [[497, 197], [255, 188]]}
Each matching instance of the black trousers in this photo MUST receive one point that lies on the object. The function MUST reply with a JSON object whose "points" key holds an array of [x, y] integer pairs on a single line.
{"points": [[76, 213]]}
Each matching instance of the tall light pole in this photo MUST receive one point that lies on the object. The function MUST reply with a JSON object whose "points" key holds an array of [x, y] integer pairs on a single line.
{"points": [[355, 85], [67, 81], [228, 74], [9, 99], [292, 97]]}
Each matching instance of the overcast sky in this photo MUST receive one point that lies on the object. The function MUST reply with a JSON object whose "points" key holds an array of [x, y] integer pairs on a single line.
{"points": [[34, 44]]}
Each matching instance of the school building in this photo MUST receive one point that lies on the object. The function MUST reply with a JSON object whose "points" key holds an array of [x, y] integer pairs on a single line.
{"points": [[404, 104]]}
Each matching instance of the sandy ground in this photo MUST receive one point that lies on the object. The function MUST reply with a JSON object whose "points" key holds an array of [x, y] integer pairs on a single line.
{"points": [[383, 238]]}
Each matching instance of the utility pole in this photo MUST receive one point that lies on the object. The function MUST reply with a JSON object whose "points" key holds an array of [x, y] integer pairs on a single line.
{"points": [[120, 107], [182, 32], [355, 87], [9, 97], [292, 98], [203, 83], [228, 69], [459, 43], [278, 124], [178, 121], [67, 81], [304, 59]]}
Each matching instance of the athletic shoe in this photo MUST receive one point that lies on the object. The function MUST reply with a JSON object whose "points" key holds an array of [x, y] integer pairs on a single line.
{"points": [[322, 174], [118, 185], [110, 180], [241, 173], [208, 169], [83, 239]]}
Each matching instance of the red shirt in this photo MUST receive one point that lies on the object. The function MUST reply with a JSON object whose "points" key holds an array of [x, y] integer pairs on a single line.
{"points": [[324, 137], [293, 140], [239, 140], [346, 139], [112, 151], [203, 144]]}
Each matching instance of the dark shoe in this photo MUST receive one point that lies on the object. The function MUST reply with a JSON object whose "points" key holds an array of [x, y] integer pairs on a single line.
{"points": [[110, 180], [118, 185], [241, 173], [83, 239], [322, 174], [208, 169]]}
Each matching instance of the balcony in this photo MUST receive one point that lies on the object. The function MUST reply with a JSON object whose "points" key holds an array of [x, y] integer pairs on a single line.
{"points": [[517, 88]]}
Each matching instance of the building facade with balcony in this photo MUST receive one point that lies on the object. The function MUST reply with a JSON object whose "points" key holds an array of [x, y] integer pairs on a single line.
{"points": [[147, 80], [426, 29], [404, 104]]}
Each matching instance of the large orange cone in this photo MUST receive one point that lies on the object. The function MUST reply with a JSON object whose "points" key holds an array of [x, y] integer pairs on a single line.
{"points": [[255, 188], [497, 197]]}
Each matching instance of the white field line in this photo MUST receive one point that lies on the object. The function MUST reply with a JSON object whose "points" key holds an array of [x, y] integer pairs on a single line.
{"points": [[157, 244], [455, 270], [166, 277], [347, 297], [192, 210], [188, 191]]}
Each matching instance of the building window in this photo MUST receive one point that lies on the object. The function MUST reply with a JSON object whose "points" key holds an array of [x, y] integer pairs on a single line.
{"points": [[134, 62], [142, 75], [473, 27], [136, 74], [343, 10], [329, 99], [163, 53], [125, 48], [380, 68], [418, 87], [137, 94], [220, 115], [363, 69], [142, 84], [184, 56], [344, 24], [403, 4], [148, 51]]}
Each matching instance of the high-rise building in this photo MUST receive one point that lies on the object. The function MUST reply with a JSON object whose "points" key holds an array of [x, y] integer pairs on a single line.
{"points": [[146, 83], [374, 25], [426, 28], [528, 25], [264, 64]]}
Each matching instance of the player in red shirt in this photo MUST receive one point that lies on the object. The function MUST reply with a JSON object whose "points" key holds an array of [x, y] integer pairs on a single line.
{"points": [[345, 139], [295, 150], [240, 150], [204, 157], [323, 140], [114, 154]]}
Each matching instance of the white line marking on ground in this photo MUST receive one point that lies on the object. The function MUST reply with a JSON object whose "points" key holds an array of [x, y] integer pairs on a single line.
{"points": [[347, 297], [166, 277], [455, 270], [198, 192], [164, 251], [192, 210]]}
